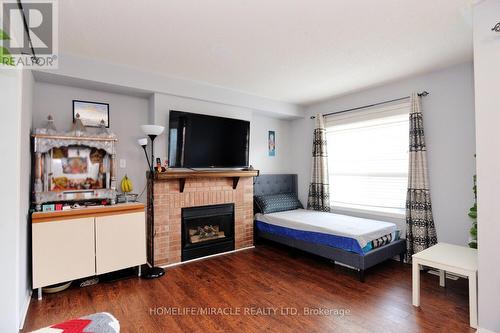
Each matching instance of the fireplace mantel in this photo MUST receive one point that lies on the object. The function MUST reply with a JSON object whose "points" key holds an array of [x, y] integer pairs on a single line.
{"points": [[182, 175], [175, 190]]}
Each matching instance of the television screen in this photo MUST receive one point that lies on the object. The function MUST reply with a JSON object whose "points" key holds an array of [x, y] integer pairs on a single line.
{"points": [[201, 141]]}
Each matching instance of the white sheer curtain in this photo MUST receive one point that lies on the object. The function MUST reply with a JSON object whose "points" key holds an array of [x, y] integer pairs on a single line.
{"points": [[368, 159]]}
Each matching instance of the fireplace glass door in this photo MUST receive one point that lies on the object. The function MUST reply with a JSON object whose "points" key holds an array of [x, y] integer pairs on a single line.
{"points": [[207, 230]]}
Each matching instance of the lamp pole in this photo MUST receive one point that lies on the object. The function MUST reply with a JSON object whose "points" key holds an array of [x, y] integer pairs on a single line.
{"points": [[153, 271]]}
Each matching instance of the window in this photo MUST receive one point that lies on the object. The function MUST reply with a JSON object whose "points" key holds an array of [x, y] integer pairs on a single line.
{"points": [[368, 160]]}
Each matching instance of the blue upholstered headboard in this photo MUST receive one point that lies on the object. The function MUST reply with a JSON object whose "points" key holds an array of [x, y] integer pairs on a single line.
{"points": [[275, 184]]}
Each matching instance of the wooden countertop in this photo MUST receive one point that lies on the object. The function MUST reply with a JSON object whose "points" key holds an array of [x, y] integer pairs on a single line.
{"points": [[58, 215], [178, 174]]}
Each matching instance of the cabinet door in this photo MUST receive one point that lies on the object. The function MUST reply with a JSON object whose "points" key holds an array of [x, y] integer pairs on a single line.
{"points": [[62, 251], [120, 241]]}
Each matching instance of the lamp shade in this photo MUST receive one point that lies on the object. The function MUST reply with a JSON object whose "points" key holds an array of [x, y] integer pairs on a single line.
{"points": [[152, 129], [143, 141]]}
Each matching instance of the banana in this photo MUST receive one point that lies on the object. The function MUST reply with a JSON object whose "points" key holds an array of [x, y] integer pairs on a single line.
{"points": [[126, 184], [123, 185]]}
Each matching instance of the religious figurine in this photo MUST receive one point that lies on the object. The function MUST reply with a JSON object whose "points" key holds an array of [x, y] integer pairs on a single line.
{"points": [[159, 167]]}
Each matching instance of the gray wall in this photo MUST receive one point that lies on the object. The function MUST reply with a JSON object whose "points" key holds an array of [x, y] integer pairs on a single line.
{"points": [[259, 127], [100, 73], [15, 97], [9, 192], [24, 289], [127, 113], [449, 129], [259, 157], [487, 82]]}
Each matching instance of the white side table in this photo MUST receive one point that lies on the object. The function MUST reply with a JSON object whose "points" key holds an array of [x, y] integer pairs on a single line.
{"points": [[448, 258]]}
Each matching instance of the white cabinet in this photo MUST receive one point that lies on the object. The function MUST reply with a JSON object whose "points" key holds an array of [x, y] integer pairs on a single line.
{"points": [[69, 245], [63, 251], [120, 242]]}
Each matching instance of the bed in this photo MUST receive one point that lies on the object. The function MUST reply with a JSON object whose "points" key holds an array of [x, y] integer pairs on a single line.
{"points": [[356, 242]]}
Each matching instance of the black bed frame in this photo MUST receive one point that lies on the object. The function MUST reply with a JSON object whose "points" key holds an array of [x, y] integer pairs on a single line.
{"points": [[285, 183]]}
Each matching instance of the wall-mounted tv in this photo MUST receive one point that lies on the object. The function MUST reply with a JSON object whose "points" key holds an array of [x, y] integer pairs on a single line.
{"points": [[201, 141]]}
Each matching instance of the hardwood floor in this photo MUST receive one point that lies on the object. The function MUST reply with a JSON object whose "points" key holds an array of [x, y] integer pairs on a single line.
{"points": [[265, 279]]}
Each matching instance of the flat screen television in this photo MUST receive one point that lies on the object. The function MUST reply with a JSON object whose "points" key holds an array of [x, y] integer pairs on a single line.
{"points": [[201, 141]]}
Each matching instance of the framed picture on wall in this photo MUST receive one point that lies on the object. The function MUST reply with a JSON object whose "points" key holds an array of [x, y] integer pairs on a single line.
{"points": [[271, 143], [91, 113]]}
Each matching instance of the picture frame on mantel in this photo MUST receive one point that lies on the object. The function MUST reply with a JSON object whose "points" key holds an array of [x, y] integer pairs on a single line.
{"points": [[91, 113]]}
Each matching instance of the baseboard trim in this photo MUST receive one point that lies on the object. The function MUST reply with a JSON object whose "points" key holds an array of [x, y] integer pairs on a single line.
{"points": [[483, 330], [207, 257], [27, 303]]}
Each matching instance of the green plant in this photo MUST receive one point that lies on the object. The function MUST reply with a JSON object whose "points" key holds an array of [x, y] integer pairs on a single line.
{"points": [[473, 215], [5, 56]]}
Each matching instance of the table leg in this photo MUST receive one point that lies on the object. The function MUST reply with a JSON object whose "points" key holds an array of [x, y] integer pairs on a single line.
{"points": [[416, 282], [442, 278], [473, 299]]}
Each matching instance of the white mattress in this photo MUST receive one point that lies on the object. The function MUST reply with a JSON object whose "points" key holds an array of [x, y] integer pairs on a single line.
{"points": [[360, 229]]}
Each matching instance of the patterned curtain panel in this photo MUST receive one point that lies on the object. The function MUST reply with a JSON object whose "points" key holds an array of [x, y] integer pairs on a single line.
{"points": [[319, 192], [420, 230]]}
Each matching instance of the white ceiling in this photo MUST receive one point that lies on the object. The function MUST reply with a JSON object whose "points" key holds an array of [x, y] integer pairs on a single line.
{"points": [[297, 51]]}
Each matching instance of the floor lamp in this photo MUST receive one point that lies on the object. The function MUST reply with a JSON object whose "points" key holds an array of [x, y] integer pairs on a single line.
{"points": [[152, 131]]}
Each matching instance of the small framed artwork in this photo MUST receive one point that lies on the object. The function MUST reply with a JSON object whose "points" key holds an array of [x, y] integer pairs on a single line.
{"points": [[91, 113], [271, 143]]}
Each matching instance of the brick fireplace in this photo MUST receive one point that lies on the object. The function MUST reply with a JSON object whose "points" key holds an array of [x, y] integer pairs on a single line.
{"points": [[172, 194]]}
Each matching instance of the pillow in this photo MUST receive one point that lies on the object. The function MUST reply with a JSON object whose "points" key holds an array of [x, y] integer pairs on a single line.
{"points": [[272, 203]]}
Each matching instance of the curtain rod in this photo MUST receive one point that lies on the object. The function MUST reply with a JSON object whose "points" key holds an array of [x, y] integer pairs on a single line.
{"points": [[422, 94]]}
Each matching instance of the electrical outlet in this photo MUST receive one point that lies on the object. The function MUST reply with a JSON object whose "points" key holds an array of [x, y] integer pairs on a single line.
{"points": [[123, 163]]}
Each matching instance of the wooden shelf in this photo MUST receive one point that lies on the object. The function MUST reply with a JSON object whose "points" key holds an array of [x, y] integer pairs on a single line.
{"points": [[72, 137], [176, 174], [59, 215], [182, 175]]}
